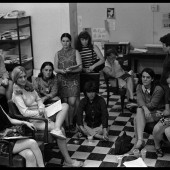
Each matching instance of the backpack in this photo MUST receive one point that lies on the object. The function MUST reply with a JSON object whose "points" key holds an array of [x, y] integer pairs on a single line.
{"points": [[123, 144]]}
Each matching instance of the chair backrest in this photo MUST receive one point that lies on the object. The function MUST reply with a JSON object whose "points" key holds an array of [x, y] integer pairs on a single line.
{"points": [[84, 77], [14, 112]]}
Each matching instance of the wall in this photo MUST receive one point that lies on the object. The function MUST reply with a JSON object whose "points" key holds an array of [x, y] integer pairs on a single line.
{"points": [[135, 22], [49, 21]]}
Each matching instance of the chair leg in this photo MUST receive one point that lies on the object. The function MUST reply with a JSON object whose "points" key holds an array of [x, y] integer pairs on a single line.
{"points": [[122, 97], [108, 95]]}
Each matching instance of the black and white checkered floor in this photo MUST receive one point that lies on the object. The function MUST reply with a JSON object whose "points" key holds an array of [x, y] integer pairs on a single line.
{"points": [[101, 153]]}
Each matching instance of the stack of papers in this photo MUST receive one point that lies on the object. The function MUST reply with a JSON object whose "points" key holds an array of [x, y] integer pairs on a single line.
{"points": [[135, 163], [53, 108]]}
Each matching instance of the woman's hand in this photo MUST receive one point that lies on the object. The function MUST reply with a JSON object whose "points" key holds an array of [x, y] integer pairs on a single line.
{"points": [[30, 125], [41, 111], [4, 82], [91, 68], [105, 134], [147, 113], [84, 130]]}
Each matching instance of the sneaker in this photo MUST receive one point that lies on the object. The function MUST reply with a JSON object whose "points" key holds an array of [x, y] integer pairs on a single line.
{"points": [[75, 164], [58, 134]]}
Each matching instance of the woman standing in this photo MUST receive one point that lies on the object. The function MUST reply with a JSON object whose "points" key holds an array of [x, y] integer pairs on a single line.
{"points": [[68, 65], [89, 53], [149, 99]]}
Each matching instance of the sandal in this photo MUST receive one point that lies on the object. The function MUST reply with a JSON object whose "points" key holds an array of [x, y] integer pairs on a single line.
{"points": [[75, 164], [141, 146], [159, 152]]}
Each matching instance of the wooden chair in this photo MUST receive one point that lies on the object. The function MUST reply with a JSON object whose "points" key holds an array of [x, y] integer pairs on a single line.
{"points": [[121, 91]]}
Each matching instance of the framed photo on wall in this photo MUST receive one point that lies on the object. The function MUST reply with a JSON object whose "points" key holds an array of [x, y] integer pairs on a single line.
{"points": [[110, 13]]}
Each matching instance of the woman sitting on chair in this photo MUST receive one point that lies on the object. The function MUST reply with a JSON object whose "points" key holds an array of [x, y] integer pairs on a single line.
{"points": [[115, 69], [28, 148], [149, 99], [31, 105]]}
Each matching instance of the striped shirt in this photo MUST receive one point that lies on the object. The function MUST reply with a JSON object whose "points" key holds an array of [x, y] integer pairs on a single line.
{"points": [[86, 56]]}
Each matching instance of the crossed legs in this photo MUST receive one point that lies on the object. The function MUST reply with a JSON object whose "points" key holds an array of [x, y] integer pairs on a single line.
{"points": [[29, 149]]}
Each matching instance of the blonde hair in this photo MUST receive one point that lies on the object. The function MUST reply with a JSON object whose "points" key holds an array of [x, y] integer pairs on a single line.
{"points": [[17, 71]]}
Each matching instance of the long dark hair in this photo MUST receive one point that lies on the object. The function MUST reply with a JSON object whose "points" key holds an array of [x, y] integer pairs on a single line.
{"points": [[154, 83], [47, 63], [84, 35]]}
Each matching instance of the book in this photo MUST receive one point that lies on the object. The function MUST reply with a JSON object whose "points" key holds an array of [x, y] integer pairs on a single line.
{"points": [[15, 137], [135, 163], [53, 108], [74, 67]]}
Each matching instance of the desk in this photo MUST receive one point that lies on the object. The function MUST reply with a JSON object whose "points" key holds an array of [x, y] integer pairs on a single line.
{"points": [[135, 57]]}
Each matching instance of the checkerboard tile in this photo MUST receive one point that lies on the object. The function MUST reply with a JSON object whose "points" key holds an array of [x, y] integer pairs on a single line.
{"points": [[101, 153]]}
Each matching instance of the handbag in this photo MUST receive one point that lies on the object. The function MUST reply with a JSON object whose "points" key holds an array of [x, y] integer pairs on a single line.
{"points": [[123, 144]]}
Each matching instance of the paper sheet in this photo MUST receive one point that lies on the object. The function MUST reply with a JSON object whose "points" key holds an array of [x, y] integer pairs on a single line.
{"points": [[53, 108], [135, 163]]}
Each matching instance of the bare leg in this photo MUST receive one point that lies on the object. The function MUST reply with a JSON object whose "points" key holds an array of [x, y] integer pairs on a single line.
{"points": [[158, 131], [32, 145], [72, 103], [140, 125], [61, 116], [29, 157], [63, 148], [130, 87]]}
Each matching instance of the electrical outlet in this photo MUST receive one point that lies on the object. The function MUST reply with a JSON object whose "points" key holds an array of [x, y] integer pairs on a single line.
{"points": [[154, 8]]}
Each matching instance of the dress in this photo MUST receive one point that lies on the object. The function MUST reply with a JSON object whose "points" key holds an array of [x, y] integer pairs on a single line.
{"points": [[69, 84]]}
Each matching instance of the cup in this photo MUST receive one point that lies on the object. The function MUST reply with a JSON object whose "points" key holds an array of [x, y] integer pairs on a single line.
{"points": [[136, 152], [119, 160], [90, 139], [143, 153]]}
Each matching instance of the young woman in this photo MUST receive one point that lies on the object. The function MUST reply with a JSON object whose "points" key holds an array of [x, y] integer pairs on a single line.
{"points": [[149, 99], [68, 65], [115, 69], [31, 105], [163, 126], [28, 148], [89, 53], [46, 84]]}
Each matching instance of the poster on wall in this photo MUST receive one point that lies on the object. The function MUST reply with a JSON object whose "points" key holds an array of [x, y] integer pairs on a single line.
{"points": [[98, 34], [166, 20], [110, 13], [110, 25]]}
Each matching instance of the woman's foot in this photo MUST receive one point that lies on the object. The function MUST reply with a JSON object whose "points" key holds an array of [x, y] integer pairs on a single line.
{"points": [[159, 152], [140, 144], [74, 163]]}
